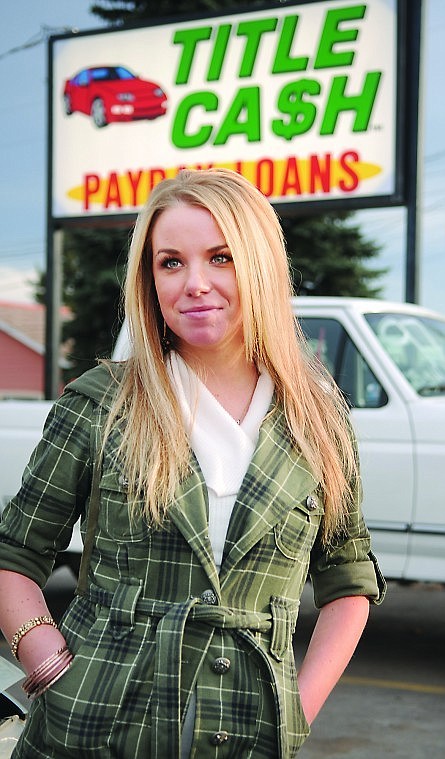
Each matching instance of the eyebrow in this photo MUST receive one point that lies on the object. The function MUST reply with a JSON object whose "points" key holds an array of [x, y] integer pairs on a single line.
{"points": [[174, 251]]}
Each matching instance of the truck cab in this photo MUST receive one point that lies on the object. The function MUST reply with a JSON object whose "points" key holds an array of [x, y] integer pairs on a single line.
{"points": [[389, 361]]}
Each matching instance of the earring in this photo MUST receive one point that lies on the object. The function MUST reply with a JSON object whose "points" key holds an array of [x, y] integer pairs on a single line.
{"points": [[165, 342]]}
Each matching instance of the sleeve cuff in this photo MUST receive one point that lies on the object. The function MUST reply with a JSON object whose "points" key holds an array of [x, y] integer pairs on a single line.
{"points": [[17, 559], [362, 578]]}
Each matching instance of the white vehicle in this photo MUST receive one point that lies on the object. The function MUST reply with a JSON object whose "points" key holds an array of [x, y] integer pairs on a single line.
{"points": [[389, 360]]}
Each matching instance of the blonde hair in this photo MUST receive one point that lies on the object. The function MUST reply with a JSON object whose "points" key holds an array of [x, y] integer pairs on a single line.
{"points": [[155, 451]]}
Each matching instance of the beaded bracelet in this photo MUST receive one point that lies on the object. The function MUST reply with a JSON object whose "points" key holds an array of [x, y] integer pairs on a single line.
{"points": [[45, 619], [50, 670]]}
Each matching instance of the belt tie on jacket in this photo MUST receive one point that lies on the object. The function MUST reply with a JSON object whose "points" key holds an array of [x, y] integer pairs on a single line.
{"points": [[166, 718]]}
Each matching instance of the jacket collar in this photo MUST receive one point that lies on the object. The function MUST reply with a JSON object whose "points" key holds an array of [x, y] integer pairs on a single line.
{"points": [[277, 478]]}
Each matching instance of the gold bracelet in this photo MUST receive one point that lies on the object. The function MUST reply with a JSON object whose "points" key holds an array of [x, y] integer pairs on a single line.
{"points": [[45, 619]]}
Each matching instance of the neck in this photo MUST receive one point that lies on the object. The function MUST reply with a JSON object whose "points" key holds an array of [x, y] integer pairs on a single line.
{"points": [[231, 379], [225, 361]]}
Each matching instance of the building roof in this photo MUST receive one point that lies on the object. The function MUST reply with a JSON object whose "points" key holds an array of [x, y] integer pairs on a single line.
{"points": [[25, 322]]}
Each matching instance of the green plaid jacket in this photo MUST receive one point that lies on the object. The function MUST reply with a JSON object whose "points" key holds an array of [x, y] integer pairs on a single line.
{"points": [[157, 622]]}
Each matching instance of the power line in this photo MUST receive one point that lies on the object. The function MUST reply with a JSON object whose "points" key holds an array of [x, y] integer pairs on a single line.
{"points": [[21, 251], [434, 156], [37, 39], [30, 242]]}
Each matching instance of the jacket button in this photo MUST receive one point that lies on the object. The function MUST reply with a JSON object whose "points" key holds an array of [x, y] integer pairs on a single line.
{"points": [[311, 502], [219, 738], [209, 597], [221, 665]]}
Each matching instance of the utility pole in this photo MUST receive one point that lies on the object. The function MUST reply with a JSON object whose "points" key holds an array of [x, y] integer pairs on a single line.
{"points": [[53, 305], [414, 147]]}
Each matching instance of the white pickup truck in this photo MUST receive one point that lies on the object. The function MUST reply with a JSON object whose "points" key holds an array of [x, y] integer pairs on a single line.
{"points": [[389, 360]]}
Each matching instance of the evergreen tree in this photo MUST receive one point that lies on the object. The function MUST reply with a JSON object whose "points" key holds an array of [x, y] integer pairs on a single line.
{"points": [[94, 262], [93, 273], [118, 12], [329, 256]]}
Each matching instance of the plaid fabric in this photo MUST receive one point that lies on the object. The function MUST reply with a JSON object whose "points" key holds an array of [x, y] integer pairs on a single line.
{"points": [[157, 618]]}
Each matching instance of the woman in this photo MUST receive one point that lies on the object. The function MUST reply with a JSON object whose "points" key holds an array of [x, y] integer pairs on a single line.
{"points": [[220, 460]]}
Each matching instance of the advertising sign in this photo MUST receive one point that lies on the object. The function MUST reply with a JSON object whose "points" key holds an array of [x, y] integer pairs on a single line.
{"points": [[301, 99]]}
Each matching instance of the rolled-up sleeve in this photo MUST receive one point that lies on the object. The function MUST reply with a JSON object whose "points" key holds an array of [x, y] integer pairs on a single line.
{"points": [[347, 567], [38, 522]]}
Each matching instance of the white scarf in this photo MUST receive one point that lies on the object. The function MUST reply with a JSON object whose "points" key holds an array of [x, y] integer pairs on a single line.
{"points": [[222, 447]]}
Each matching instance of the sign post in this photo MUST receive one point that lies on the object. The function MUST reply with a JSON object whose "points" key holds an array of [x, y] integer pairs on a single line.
{"points": [[414, 154]]}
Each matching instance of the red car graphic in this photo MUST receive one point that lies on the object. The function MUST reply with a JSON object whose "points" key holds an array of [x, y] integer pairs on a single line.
{"points": [[113, 93]]}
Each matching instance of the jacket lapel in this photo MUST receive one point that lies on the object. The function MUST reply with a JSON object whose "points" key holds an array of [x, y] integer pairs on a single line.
{"points": [[277, 478], [189, 513]]}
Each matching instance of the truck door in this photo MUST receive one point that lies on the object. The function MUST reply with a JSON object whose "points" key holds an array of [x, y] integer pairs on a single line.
{"points": [[383, 430]]}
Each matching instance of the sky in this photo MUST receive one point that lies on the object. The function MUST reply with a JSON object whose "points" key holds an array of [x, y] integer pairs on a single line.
{"points": [[23, 155]]}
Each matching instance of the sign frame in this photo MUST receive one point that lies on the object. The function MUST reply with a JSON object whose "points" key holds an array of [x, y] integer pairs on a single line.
{"points": [[402, 129], [409, 24]]}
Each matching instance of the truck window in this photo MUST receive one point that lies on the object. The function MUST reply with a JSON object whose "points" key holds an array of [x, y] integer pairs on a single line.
{"points": [[416, 345], [329, 341]]}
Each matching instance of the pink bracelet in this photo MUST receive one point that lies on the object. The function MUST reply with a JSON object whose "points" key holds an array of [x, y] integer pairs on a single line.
{"points": [[46, 669], [47, 672], [48, 684]]}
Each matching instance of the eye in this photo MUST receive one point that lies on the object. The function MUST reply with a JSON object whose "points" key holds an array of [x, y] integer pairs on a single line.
{"points": [[221, 258], [171, 263]]}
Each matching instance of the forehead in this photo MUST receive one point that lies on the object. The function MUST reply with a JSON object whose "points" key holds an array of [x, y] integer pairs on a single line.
{"points": [[185, 222]]}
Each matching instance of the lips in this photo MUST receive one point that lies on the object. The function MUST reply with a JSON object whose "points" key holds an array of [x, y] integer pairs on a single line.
{"points": [[199, 310]]}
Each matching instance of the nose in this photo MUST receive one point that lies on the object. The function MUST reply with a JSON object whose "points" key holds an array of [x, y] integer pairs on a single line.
{"points": [[197, 281]]}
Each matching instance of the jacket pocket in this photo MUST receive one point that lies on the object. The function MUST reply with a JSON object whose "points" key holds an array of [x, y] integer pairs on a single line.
{"points": [[107, 688], [297, 531], [114, 515]]}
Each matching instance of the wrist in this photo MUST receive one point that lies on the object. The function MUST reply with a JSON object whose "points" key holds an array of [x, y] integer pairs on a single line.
{"points": [[38, 644], [48, 672], [26, 627]]}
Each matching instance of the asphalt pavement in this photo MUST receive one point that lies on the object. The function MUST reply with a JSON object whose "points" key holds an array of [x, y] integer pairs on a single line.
{"points": [[391, 700]]}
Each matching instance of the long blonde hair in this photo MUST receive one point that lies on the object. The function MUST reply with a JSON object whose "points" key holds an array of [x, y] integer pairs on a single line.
{"points": [[155, 452]]}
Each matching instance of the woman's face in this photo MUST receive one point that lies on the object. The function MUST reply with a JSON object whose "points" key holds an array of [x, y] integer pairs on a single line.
{"points": [[195, 280]]}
